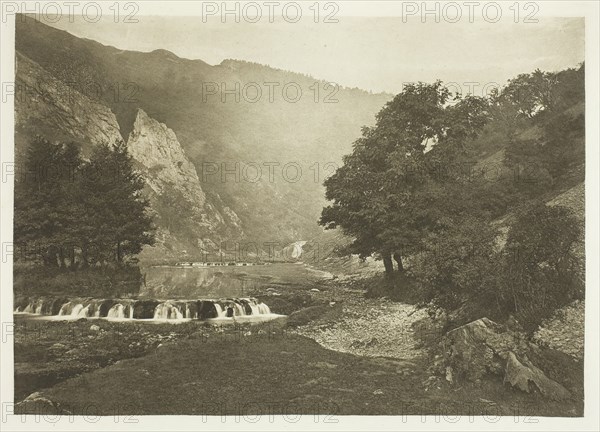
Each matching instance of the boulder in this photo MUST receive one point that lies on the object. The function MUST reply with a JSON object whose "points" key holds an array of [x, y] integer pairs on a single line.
{"points": [[484, 347], [526, 377], [37, 403]]}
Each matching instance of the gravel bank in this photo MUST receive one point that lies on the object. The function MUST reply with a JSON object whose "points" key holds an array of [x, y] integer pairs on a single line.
{"points": [[369, 327]]}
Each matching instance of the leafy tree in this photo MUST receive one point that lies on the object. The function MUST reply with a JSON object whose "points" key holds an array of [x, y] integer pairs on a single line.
{"points": [[45, 218], [117, 223], [385, 194], [63, 204], [458, 267]]}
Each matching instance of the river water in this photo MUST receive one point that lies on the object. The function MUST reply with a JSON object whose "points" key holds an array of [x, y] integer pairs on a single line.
{"points": [[177, 282]]}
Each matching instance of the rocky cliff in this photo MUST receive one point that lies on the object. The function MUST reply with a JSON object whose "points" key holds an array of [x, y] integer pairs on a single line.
{"points": [[188, 221], [308, 136], [186, 218], [49, 107], [156, 148]]}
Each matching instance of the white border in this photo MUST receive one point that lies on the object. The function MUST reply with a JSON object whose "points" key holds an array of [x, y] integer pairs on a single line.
{"points": [[348, 8]]}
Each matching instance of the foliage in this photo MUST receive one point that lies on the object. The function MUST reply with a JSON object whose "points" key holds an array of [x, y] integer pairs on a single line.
{"points": [[540, 271], [68, 210], [428, 181], [385, 193]]}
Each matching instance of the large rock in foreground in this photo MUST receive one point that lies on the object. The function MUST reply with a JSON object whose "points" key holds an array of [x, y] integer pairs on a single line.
{"points": [[484, 347]]}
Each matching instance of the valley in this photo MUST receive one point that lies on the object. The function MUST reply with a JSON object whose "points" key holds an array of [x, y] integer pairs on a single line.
{"points": [[238, 239]]}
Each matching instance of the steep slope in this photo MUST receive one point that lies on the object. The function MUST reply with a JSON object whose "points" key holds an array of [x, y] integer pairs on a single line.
{"points": [[271, 130], [183, 212], [48, 107], [186, 220]]}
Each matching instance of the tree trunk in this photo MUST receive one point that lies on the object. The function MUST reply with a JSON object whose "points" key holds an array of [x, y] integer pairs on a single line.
{"points": [[61, 258], [118, 252], [84, 256], [51, 259], [387, 262], [398, 259]]}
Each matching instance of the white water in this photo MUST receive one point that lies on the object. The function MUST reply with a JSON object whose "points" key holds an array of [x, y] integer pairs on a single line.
{"points": [[167, 311], [76, 309], [255, 309], [220, 311], [246, 309], [263, 309], [85, 312], [64, 309], [117, 311]]}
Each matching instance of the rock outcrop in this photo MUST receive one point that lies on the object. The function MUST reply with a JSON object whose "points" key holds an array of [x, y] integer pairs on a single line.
{"points": [[49, 107], [187, 219], [175, 191], [484, 347], [36, 403], [155, 147]]}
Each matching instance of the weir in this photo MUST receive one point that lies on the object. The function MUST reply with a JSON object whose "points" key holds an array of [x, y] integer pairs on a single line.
{"points": [[144, 309]]}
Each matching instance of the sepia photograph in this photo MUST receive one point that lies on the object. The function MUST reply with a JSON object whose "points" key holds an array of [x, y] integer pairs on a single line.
{"points": [[301, 215]]}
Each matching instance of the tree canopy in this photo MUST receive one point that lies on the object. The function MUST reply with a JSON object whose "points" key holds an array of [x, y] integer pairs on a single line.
{"points": [[67, 206]]}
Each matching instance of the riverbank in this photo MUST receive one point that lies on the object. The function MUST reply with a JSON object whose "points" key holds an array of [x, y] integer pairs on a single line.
{"points": [[230, 376], [338, 353]]}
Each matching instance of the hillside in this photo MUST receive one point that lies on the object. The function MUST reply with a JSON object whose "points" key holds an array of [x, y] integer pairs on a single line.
{"points": [[278, 206]]}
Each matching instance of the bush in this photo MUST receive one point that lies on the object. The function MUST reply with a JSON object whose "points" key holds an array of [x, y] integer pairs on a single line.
{"points": [[540, 270], [464, 274]]}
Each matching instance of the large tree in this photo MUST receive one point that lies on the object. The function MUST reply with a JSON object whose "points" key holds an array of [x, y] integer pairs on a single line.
{"points": [[46, 216], [63, 204], [117, 220], [386, 192]]}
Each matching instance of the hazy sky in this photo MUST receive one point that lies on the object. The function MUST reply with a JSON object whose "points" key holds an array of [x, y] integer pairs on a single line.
{"points": [[377, 54]]}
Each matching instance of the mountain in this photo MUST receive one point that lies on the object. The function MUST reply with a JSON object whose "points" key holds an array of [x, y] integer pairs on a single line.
{"points": [[185, 218], [259, 155]]}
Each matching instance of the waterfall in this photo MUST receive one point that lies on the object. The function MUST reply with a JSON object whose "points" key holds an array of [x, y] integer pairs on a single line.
{"points": [[76, 309], [238, 310], [220, 311], [85, 312], [65, 309], [167, 311], [146, 309], [117, 311], [38, 308], [263, 309], [33, 307]]}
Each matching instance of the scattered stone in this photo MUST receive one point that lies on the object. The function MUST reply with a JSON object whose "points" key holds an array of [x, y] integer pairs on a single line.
{"points": [[315, 290], [378, 392], [565, 331], [368, 327], [449, 377], [94, 328]]}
